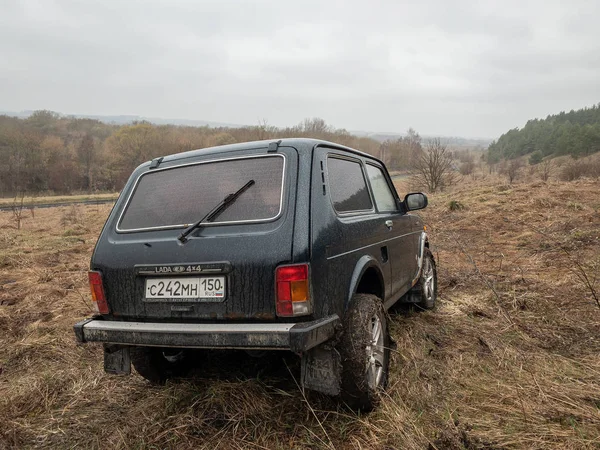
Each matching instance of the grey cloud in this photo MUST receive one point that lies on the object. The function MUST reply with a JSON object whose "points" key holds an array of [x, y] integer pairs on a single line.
{"points": [[455, 68]]}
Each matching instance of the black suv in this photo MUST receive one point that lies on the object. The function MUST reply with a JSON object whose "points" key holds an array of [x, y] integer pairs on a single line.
{"points": [[296, 244]]}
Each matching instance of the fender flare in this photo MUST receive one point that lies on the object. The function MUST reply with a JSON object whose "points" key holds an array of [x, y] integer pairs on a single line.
{"points": [[362, 265]]}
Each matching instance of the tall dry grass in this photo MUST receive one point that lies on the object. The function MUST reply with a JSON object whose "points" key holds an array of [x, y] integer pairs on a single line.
{"points": [[510, 358]]}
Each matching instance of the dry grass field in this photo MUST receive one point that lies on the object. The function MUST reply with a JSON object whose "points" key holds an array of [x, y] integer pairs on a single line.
{"points": [[7, 202], [509, 359]]}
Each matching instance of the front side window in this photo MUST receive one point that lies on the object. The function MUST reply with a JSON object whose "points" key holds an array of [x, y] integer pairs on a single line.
{"points": [[347, 186], [177, 197], [384, 199]]}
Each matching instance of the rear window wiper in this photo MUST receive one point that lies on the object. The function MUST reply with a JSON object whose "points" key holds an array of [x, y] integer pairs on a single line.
{"points": [[222, 206]]}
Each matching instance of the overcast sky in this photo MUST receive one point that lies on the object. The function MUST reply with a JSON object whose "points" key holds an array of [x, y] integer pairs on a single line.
{"points": [[459, 68]]}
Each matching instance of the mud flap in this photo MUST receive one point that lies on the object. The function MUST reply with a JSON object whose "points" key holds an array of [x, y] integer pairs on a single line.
{"points": [[412, 296], [117, 360], [321, 370]]}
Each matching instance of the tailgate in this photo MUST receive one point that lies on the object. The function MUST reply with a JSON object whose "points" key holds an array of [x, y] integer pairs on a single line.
{"points": [[226, 269]]}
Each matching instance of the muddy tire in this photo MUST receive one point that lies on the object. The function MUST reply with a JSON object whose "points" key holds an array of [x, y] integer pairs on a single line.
{"points": [[157, 365], [426, 287], [364, 351]]}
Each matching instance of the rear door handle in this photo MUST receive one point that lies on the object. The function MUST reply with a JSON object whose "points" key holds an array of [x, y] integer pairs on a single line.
{"points": [[389, 224]]}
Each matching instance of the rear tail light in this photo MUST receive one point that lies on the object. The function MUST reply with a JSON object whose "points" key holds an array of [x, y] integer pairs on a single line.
{"points": [[293, 290], [97, 289]]}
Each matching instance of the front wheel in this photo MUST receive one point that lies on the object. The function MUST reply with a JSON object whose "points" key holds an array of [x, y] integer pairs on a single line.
{"points": [[426, 287], [364, 349]]}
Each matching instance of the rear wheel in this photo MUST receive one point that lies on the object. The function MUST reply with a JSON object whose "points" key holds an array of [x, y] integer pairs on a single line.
{"points": [[364, 349], [158, 364], [427, 284]]}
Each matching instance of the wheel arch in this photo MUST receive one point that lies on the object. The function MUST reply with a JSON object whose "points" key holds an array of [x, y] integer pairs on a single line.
{"points": [[423, 244], [367, 278]]}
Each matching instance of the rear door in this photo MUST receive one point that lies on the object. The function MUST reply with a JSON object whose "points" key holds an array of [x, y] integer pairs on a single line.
{"points": [[346, 229], [226, 268]]}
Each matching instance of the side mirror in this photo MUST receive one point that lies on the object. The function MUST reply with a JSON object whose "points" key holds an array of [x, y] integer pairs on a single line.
{"points": [[414, 201]]}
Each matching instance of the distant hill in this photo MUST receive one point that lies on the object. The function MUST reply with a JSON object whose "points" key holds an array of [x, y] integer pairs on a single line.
{"points": [[575, 133], [453, 141], [125, 119]]}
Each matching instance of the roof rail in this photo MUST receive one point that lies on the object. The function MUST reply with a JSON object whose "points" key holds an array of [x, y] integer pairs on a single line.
{"points": [[273, 146]]}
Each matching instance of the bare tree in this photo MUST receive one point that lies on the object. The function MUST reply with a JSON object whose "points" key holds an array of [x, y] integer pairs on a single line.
{"points": [[433, 168], [315, 127], [17, 209], [401, 153], [133, 144], [264, 130], [87, 156], [467, 167], [413, 141], [546, 167], [512, 169]]}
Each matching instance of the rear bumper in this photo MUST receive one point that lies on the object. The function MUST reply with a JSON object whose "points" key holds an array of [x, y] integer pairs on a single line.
{"points": [[297, 337]]}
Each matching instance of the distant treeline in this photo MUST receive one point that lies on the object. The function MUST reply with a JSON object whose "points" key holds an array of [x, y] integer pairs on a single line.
{"points": [[49, 152], [575, 133]]}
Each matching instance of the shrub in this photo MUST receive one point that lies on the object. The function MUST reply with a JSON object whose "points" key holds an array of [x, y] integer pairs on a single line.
{"points": [[585, 167], [536, 157], [455, 205], [510, 169], [467, 167], [72, 216]]}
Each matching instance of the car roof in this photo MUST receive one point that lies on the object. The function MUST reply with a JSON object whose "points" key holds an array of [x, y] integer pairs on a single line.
{"points": [[301, 144]]}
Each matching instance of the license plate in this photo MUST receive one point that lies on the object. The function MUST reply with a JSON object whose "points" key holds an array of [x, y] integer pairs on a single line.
{"points": [[186, 289]]}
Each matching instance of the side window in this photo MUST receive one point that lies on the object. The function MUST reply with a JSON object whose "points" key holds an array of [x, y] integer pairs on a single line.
{"points": [[384, 199], [347, 186]]}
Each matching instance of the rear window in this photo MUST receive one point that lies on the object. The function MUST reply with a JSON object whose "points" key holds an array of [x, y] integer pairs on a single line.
{"points": [[179, 196]]}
